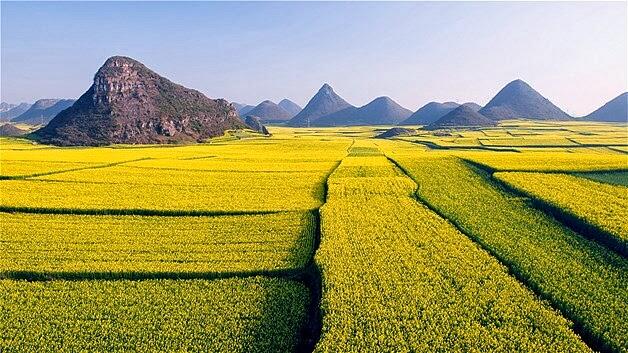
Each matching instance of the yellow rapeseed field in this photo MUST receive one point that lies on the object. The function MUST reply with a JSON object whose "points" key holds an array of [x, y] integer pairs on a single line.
{"points": [[501, 239]]}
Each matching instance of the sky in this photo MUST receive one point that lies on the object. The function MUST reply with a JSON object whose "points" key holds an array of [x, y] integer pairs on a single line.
{"points": [[574, 53]]}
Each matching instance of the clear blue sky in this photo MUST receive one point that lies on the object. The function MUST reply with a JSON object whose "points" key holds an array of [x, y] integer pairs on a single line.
{"points": [[573, 53]]}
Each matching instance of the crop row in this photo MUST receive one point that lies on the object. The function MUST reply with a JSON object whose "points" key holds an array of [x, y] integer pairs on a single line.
{"points": [[585, 280], [9, 169], [545, 161], [162, 191], [140, 246], [265, 150], [602, 207], [398, 278], [238, 177], [227, 315]]}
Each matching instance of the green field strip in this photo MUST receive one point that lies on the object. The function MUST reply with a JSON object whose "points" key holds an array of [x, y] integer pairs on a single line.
{"points": [[396, 277], [611, 177], [597, 211], [227, 315], [585, 281]]}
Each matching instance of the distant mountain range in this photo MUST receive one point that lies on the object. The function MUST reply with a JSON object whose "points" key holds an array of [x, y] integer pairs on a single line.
{"points": [[616, 110], [4, 106], [463, 116], [433, 111], [129, 103], [13, 111], [324, 102], [381, 111], [291, 107], [42, 111], [327, 108], [269, 111], [518, 100], [243, 109]]}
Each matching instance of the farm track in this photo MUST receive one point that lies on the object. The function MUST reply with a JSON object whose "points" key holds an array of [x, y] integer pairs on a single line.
{"points": [[591, 339]]}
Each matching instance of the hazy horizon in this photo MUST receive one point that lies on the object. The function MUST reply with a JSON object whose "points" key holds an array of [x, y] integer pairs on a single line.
{"points": [[575, 54]]}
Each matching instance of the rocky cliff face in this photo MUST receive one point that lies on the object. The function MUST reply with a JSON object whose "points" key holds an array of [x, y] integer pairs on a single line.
{"points": [[129, 103], [256, 124]]}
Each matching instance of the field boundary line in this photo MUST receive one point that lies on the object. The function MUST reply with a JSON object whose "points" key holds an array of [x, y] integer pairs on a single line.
{"points": [[581, 144], [44, 276], [137, 212], [587, 337], [313, 278], [222, 171], [434, 146], [97, 166]]}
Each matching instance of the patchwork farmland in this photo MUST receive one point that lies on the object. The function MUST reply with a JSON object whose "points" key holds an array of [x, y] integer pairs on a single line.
{"points": [[501, 239]]}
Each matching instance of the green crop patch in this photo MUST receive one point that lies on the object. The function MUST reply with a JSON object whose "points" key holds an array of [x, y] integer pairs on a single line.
{"points": [[615, 178], [583, 279], [602, 207]]}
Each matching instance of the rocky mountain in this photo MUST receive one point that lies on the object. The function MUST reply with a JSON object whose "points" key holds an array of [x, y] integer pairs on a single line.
{"points": [[129, 103], [324, 102], [616, 110], [4, 106], [245, 109], [14, 112], [269, 111], [42, 111], [238, 106], [429, 113], [518, 100], [396, 131], [256, 124], [10, 130], [381, 111], [433, 111], [463, 116], [473, 106], [290, 106]]}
